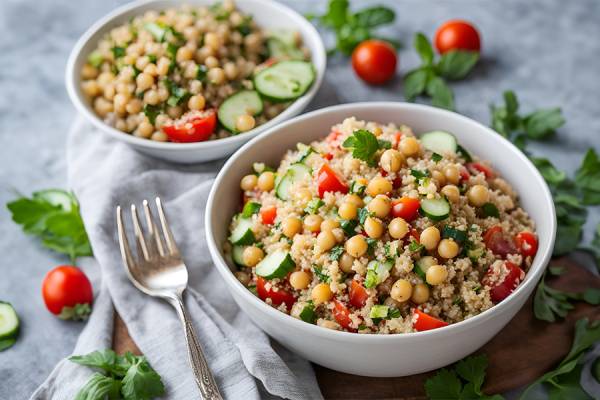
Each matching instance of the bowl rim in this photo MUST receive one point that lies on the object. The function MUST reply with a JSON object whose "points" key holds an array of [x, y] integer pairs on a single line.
{"points": [[72, 80], [532, 277]]}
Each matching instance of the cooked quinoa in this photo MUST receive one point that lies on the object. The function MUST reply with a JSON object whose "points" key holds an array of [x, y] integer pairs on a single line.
{"points": [[375, 230], [149, 73]]}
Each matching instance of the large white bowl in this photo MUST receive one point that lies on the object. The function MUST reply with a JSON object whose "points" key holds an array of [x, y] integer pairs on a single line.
{"points": [[268, 14], [381, 355]]}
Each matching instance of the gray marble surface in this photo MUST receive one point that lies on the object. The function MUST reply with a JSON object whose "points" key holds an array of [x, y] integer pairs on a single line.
{"points": [[546, 50]]}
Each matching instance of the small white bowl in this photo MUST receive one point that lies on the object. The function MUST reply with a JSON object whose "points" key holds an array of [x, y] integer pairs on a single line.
{"points": [[381, 355], [267, 14]]}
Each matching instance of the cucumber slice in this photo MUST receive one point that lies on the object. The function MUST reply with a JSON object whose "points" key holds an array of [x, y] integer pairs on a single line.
{"points": [[435, 209], [9, 322], [378, 311], [423, 264], [286, 80], [305, 151], [275, 265], [237, 255], [439, 142], [295, 173], [286, 36], [280, 50], [244, 102], [242, 234]]}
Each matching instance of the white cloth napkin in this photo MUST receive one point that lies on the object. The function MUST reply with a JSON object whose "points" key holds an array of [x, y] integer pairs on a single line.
{"points": [[245, 362]]}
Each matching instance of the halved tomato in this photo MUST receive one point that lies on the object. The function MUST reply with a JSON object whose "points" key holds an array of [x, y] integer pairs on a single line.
{"points": [[268, 214], [426, 322], [406, 208], [342, 314], [193, 126], [328, 181], [358, 294], [527, 243], [464, 174], [496, 241], [502, 283], [479, 167], [277, 297]]}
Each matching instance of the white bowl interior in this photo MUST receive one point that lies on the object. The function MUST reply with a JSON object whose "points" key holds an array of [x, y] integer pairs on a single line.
{"points": [[267, 14], [448, 344]]}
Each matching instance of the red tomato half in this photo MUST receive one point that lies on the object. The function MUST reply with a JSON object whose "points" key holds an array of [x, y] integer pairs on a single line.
{"points": [[277, 297], [426, 322], [328, 181], [374, 61], [358, 294], [406, 208], [194, 126], [478, 167], [503, 283], [66, 286], [268, 214], [464, 174], [342, 314], [527, 243], [496, 241], [457, 35]]}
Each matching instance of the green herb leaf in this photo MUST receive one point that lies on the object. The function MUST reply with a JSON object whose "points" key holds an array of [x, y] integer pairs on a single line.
{"points": [[415, 83], [201, 73], [100, 387], [152, 111], [318, 271], [141, 381], [250, 208], [457, 64], [79, 312], [371, 243], [441, 95], [157, 30], [552, 175], [364, 145], [419, 174], [458, 235], [374, 16], [587, 178], [444, 385], [313, 206], [490, 210], [105, 360], [357, 188], [336, 252], [337, 14], [363, 214], [308, 313], [349, 227], [542, 123], [423, 48], [415, 246], [436, 157], [118, 52]]}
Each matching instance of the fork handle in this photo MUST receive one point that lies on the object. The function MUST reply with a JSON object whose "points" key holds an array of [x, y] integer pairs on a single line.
{"points": [[204, 378]]}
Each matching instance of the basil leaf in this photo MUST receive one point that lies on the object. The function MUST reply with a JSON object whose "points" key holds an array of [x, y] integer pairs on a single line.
{"points": [[337, 14], [152, 111], [457, 64], [374, 16], [548, 171], [423, 48], [100, 387], [543, 123], [587, 178], [415, 83], [441, 95], [490, 210]]}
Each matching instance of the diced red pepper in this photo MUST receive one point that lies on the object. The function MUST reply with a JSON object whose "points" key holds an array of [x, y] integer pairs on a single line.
{"points": [[464, 174], [358, 294], [328, 156], [510, 279], [277, 297], [342, 315], [328, 181], [426, 322], [268, 214]]}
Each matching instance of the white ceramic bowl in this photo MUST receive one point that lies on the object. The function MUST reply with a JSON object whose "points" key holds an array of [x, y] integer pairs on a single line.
{"points": [[381, 355], [268, 14]]}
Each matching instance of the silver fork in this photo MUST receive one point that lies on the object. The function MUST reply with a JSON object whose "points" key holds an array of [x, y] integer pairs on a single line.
{"points": [[159, 271]]}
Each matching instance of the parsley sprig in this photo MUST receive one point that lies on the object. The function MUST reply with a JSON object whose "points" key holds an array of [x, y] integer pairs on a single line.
{"points": [[364, 145], [127, 377], [352, 28], [430, 78]]}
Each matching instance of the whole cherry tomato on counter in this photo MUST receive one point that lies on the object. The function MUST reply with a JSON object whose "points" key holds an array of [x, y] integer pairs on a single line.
{"points": [[194, 126], [374, 61], [457, 34], [67, 292]]}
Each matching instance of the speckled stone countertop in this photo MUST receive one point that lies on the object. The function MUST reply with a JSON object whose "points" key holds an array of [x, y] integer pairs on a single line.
{"points": [[546, 50]]}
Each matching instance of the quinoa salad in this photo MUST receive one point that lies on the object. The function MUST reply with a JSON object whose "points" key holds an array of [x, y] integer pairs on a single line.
{"points": [[191, 74], [376, 230]]}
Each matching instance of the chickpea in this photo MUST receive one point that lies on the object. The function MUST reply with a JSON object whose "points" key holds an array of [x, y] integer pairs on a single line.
{"points": [[345, 263], [420, 293], [380, 206], [102, 106], [231, 70], [91, 88], [211, 40], [134, 106], [266, 181], [329, 225], [184, 53], [312, 223], [430, 237], [409, 146], [243, 277], [451, 192], [211, 62], [245, 122], [321, 293], [291, 226], [391, 160], [436, 274], [151, 97], [299, 280], [347, 211], [373, 227], [325, 241], [355, 199], [197, 102], [162, 66], [303, 196], [448, 248], [478, 195], [356, 246], [378, 185], [398, 228], [145, 129], [401, 290], [452, 174], [439, 177], [249, 182], [252, 256], [88, 72], [119, 103], [216, 76]]}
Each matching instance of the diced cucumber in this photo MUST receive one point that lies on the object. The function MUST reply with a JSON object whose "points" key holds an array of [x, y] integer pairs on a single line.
{"points": [[308, 313], [286, 36], [475, 253], [378, 311], [240, 103], [423, 264], [238, 255], [305, 151], [439, 142], [275, 265], [250, 208], [280, 50], [377, 272], [457, 235], [286, 80], [435, 209], [295, 173], [242, 234], [9, 322]]}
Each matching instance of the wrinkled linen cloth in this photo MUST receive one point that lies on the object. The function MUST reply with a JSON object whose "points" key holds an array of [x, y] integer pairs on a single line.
{"points": [[245, 362]]}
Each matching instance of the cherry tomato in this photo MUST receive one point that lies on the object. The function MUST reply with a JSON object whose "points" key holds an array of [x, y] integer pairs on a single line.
{"points": [[503, 283], [342, 315], [396, 140], [495, 240], [464, 174], [358, 294], [194, 126], [457, 35], [374, 61], [406, 208], [277, 297], [426, 322], [478, 167], [328, 156], [268, 214], [527, 243], [66, 286], [328, 181]]}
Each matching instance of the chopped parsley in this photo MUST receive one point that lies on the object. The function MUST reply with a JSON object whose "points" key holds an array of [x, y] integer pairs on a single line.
{"points": [[336, 253], [436, 157], [415, 246], [363, 214], [118, 52], [458, 235], [371, 243], [419, 174], [349, 226], [318, 271], [313, 206], [357, 188], [152, 111], [364, 145], [490, 210], [463, 381]]}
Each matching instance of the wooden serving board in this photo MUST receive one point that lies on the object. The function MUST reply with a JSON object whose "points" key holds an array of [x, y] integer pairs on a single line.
{"points": [[524, 350]]}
